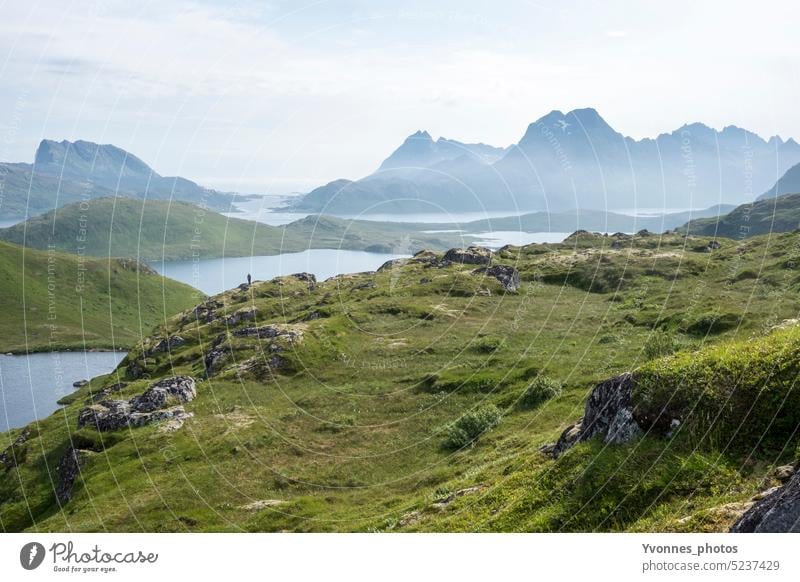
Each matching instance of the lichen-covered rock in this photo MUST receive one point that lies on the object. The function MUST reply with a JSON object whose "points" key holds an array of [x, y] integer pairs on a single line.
{"points": [[150, 406], [243, 314], [470, 256], [291, 335], [167, 344], [508, 276], [216, 356], [68, 469], [158, 395], [392, 264], [608, 414], [135, 369], [309, 278], [777, 512], [205, 312], [15, 453]]}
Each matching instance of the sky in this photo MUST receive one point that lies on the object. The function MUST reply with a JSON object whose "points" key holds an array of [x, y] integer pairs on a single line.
{"points": [[278, 97]]}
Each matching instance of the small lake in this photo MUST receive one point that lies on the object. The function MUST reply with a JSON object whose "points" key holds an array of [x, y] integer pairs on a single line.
{"points": [[30, 386], [213, 276]]}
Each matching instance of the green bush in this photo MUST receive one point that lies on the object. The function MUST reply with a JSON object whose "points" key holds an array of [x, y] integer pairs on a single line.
{"points": [[608, 338], [468, 428], [659, 344], [540, 390]]}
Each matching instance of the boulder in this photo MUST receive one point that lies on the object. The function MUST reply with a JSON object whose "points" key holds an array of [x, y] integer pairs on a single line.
{"points": [[243, 314], [776, 512], [269, 332], [392, 264], [15, 453], [176, 389], [470, 256], [167, 344], [150, 406], [608, 415], [309, 278], [68, 469], [80, 383], [508, 276]]}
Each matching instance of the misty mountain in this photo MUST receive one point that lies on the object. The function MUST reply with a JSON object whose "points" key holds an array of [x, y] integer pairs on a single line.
{"points": [[789, 183], [419, 150], [563, 161], [66, 172]]}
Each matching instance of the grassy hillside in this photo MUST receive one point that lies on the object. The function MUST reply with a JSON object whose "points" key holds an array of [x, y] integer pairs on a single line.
{"points": [[781, 214], [155, 229], [55, 300], [419, 398]]}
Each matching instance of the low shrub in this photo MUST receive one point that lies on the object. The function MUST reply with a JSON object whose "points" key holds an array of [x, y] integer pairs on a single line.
{"points": [[540, 390], [469, 427]]}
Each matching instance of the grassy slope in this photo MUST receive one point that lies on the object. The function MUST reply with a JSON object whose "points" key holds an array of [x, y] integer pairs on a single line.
{"points": [[349, 436], [36, 285], [780, 214], [157, 229]]}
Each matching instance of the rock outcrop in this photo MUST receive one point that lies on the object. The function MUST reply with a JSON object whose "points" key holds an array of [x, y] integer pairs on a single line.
{"points": [[243, 314], [15, 453], [69, 467], [469, 256], [608, 414], [508, 276], [167, 344], [157, 403], [778, 511]]}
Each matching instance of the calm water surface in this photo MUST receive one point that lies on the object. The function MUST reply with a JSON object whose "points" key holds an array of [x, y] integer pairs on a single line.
{"points": [[31, 385]]}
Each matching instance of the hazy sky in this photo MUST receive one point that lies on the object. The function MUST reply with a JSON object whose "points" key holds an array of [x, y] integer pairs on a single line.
{"points": [[280, 96]]}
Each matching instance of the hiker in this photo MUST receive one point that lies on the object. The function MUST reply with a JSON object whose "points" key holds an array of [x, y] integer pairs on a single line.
{"points": [[249, 279]]}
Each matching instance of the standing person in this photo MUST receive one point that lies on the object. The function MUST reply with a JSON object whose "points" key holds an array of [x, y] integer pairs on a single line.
{"points": [[249, 279]]}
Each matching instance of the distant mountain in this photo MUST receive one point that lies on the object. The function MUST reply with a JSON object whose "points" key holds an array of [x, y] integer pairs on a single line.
{"points": [[420, 151], [766, 215], [789, 183], [563, 161], [66, 172]]}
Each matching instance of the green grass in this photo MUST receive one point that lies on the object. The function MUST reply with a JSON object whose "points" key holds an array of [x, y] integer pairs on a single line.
{"points": [[53, 300], [169, 230], [350, 434]]}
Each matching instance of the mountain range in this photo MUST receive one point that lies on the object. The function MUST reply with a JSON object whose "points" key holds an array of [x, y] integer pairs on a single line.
{"points": [[564, 161], [66, 172]]}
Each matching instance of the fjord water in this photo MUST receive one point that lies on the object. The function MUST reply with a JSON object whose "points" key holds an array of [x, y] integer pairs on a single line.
{"points": [[213, 276], [31, 385]]}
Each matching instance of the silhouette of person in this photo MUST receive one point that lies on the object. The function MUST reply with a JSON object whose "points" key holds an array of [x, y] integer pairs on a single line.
{"points": [[249, 279]]}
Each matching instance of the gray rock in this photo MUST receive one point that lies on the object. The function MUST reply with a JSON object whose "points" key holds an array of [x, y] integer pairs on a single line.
{"points": [[68, 469], [14, 454], [158, 395], [776, 512], [80, 383], [469, 256], [309, 278], [150, 406], [244, 314], [508, 276], [167, 344], [391, 264], [608, 414]]}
